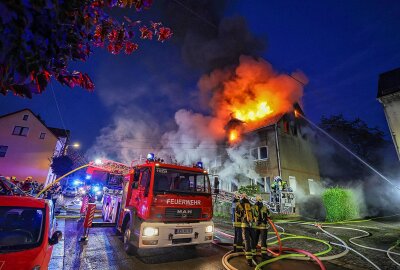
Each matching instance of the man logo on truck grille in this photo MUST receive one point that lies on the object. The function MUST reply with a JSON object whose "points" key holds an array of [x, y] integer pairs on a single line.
{"points": [[184, 211]]}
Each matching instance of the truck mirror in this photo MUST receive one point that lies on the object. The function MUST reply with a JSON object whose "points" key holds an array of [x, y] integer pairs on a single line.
{"points": [[55, 238], [216, 185]]}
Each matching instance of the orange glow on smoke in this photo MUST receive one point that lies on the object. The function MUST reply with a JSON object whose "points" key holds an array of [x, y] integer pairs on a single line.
{"points": [[252, 92]]}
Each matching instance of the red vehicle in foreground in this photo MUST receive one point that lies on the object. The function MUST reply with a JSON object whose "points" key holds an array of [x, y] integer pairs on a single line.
{"points": [[27, 230], [162, 205]]}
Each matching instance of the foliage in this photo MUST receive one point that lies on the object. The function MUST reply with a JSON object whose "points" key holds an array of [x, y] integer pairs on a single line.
{"points": [[222, 209], [340, 204], [39, 38], [367, 142], [61, 165], [250, 190]]}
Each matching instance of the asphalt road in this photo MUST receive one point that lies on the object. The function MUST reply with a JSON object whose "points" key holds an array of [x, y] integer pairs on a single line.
{"points": [[104, 249]]}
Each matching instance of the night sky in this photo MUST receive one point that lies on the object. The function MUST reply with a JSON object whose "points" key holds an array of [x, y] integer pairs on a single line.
{"points": [[341, 46]]}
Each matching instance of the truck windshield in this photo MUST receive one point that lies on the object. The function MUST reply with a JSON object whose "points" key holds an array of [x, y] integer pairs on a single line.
{"points": [[171, 180], [20, 228]]}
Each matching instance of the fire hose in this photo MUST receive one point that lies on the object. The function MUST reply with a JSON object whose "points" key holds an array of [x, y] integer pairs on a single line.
{"points": [[365, 234], [277, 251], [390, 256], [343, 244]]}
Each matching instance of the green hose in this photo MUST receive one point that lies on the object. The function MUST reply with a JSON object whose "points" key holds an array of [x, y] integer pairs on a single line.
{"points": [[292, 236]]}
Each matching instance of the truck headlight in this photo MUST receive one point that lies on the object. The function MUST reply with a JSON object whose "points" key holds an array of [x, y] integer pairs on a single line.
{"points": [[150, 231], [209, 229]]}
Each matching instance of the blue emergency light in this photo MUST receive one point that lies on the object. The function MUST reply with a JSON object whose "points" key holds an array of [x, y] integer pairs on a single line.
{"points": [[151, 157], [199, 164], [88, 176], [77, 182], [96, 188]]}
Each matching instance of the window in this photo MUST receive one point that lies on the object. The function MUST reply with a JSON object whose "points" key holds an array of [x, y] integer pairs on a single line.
{"points": [[3, 150], [168, 180], [313, 186], [254, 153], [286, 126], [25, 118], [20, 131], [293, 183], [259, 153], [268, 184], [42, 135], [22, 228], [261, 184], [145, 180]]}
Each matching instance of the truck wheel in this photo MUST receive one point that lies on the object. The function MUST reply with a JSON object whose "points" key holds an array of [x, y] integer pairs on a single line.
{"points": [[128, 247]]}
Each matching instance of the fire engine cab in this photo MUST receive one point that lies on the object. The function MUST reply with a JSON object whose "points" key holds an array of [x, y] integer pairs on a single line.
{"points": [[162, 205]]}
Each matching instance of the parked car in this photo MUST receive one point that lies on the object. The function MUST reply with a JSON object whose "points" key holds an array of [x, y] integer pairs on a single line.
{"points": [[70, 192], [27, 232]]}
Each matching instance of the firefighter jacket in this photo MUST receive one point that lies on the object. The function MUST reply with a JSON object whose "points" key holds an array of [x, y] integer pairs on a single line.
{"points": [[238, 214], [260, 215], [279, 185], [247, 219]]}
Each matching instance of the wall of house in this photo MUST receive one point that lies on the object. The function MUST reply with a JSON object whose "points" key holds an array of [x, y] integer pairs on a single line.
{"points": [[391, 106], [298, 161], [267, 168], [26, 155]]}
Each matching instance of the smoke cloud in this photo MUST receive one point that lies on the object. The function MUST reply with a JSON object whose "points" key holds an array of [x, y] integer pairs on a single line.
{"points": [[160, 114], [208, 40]]}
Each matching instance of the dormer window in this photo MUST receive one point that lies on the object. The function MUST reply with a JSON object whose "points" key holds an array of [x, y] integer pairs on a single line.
{"points": [[25, 118]]}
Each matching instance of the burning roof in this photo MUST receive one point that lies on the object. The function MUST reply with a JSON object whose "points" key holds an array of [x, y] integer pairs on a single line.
{"points": [[252, 93]]}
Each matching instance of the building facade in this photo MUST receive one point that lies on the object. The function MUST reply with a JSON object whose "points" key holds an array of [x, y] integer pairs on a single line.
{"points": [[389, 97], [283, 149], [27, 146]]}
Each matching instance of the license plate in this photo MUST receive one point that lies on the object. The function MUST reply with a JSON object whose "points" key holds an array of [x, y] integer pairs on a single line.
{"points": [[184, 231]]}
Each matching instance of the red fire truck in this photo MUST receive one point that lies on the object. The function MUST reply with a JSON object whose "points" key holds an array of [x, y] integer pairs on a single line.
{"points": [[162, 205]]}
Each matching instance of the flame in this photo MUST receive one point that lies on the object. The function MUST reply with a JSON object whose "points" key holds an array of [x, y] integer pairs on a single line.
{"points": [[233, 135], [249, 114], [252, 92]]}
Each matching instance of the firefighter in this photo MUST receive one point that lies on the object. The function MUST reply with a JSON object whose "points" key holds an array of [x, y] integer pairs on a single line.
{"points": [[247, 223], [278, 184], [237, 215], [261, 226]]}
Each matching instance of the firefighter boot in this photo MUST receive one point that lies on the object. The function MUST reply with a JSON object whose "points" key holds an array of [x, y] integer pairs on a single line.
{"points": [[250, 262]]}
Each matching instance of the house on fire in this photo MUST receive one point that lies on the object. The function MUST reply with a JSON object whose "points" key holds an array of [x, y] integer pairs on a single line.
{"points": [[281, 147]]}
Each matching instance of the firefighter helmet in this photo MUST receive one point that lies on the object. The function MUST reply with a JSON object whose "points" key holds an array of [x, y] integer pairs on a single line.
{"points": [[258, 198]]}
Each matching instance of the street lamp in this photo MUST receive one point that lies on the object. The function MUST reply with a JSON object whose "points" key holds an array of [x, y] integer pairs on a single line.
{"points": [[75, 145]]}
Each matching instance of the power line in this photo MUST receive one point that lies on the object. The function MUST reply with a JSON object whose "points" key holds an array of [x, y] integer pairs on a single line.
{"points": [[196, 14]]}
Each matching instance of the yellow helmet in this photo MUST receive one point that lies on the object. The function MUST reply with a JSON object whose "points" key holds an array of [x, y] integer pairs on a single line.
{"points": [[258, 198]]}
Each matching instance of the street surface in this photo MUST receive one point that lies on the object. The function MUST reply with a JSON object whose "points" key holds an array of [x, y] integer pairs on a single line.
{"points": [[104, 248]]}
